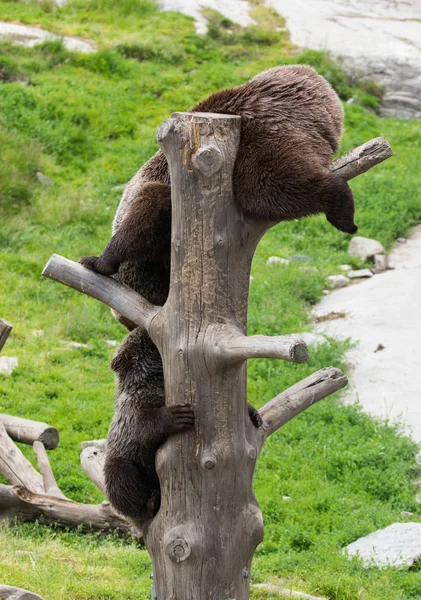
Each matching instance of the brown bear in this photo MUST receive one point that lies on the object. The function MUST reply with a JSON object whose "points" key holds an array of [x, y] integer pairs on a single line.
{"points": [[291, 122]]}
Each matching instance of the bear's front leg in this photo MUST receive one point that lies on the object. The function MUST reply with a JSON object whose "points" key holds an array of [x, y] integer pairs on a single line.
{"points": [[144, 234]]}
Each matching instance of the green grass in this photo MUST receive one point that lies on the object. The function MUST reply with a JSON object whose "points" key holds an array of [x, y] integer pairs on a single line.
{"points": [[88, 122]]}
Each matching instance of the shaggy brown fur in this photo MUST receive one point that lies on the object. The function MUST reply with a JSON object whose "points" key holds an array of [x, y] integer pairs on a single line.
{"points": [[291, 124], [140, 425]]}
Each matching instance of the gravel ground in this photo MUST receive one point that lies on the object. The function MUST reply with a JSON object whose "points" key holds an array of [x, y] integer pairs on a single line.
{"points": [[383, 314]]}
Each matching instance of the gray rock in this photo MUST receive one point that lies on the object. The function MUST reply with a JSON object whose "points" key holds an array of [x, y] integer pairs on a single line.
{"points": [[120, 188], [360, 274], [31, 36], [402, 240], [8, 364], [13, 593], [43, 179], [398, 545], [365, 248], [380, 263], [277, 260], [345, 267], [337, 281]]}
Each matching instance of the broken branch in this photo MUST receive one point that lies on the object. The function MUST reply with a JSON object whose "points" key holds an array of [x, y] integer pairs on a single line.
{"points": [[361, 159], [302, 395], [50, 485], [105, 289], [235, 347]]}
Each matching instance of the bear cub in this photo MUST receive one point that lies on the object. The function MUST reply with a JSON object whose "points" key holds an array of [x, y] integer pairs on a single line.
{"points": [[141, 424]]}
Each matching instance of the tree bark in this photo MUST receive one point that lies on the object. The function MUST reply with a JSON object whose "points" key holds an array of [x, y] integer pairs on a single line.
{"points": [[27, 431], [5, 329]]}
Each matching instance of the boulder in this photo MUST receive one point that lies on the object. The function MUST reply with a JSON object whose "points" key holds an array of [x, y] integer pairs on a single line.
{"points": [[398, 545], [277, 260], [365, 248]]}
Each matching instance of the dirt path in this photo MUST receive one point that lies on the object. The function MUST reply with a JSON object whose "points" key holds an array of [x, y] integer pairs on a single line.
{"points": [[384, 310]]}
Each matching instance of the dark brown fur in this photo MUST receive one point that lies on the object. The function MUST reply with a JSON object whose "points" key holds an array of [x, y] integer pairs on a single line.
{"points": [[291, 122]]}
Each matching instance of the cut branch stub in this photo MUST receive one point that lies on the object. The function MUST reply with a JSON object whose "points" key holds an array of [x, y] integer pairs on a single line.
{"points": [[291, 402], [235, 347], [361, 159], [15, 467], [106, 289]]}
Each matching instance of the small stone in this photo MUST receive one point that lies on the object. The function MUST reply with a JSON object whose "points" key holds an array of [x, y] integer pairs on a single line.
{"points": [[345, 267], [8, 364], [120, 188], [337, 281], [350, 101], [112, 343], [43, 179], [300, 258], [402, 240], [277, 260], [365, 248], [406, 513], [37, 332], [380, 263], [398, 545], [326, 292], [361, 273], [286, 498]]}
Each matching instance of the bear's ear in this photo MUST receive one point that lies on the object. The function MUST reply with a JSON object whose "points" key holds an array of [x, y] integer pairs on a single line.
{"points": [[340, 207], [119, 362]]}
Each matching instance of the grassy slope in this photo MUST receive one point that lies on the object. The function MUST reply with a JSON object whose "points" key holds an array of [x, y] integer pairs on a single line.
{"points": [[88, 122]]}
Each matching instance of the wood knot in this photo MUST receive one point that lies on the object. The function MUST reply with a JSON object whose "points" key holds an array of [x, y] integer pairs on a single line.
{"points": [[164, 130], [208, 160], [178, 549], [208, 461]]}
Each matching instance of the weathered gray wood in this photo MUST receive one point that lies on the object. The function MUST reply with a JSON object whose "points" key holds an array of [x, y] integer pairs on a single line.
{"points": [[50, 485], [234, 347], [15, 467], [100, 444], [5, 329], [14, 593], [361, 159], [92, 461], [18, 501], [203, 539], [106, 289], [291, 402], [27, 431]]}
